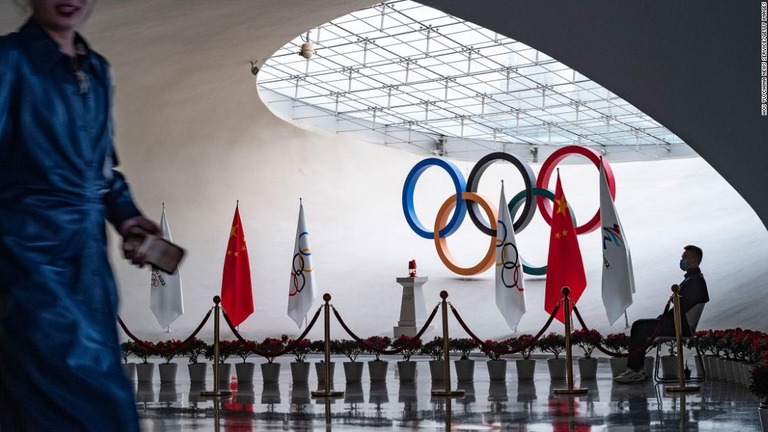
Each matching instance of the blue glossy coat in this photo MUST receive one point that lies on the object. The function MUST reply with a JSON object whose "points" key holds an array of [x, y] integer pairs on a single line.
{"points": [[59, 354]]}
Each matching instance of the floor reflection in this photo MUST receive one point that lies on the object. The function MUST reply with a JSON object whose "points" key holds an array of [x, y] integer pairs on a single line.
{"points": [[485, 405]]}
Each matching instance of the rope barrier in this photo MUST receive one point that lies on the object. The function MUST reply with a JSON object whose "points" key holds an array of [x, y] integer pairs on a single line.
{"points": [[155, 350], [410, 344], [644, 348], [288, 348], [512, 350]]}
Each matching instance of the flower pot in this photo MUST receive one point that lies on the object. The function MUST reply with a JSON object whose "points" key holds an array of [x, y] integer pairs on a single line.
{"points": [[745, 374], [712, 369], [168, 372], [668, 367], [618, 365], [129, 369], [497, 370], [648, 366], [406, 371], [300, 372], [525, 369], [197, 372], [270, 372], [556, 369], [244, 372], [587, 368], [437, 370], [145, 372], [721, 373], [353, 371], [465, 370], [377, 370], [320, 370], [225, 369]]}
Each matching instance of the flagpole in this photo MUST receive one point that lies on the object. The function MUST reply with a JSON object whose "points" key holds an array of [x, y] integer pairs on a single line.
{"points": [[626, 320]]}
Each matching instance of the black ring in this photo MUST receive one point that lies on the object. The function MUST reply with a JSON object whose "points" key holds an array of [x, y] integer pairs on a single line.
{"points": [[474, 180]]}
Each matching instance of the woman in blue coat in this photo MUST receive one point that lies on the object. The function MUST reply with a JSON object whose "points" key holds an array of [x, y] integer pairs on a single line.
{"points": [[59, 348]]}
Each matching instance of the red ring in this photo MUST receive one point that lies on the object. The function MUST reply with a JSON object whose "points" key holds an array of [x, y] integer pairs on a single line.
{"points": [[546, 173]]}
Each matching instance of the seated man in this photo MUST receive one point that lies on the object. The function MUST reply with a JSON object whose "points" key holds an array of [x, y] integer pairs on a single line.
{"points": [[693, 290]]}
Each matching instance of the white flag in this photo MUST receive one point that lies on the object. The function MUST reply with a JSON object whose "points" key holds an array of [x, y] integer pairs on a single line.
{"points": [[510, 293], [166, 299], [618, 280], [302, 289]]}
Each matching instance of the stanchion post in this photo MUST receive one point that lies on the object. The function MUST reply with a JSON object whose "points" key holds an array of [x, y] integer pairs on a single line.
{"points": [[216, 390], [568, 355], [446, 354], [681, 388], [328, 392]]}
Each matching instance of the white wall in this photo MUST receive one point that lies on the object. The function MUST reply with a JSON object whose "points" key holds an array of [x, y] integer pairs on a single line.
{"points": [[193, 134]]}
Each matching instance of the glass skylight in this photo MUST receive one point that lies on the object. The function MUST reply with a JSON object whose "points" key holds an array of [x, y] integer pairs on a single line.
{"points": [[403, 74]]}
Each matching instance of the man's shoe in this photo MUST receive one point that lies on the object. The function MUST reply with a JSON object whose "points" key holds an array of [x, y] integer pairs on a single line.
{"points": [[631, 377]]}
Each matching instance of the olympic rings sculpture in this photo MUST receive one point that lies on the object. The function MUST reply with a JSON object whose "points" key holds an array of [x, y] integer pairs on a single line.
{"points": [[468, 201]]}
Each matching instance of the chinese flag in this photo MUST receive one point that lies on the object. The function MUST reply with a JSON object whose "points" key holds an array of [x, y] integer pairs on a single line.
{"points": [[564, 264], [236, 291]]}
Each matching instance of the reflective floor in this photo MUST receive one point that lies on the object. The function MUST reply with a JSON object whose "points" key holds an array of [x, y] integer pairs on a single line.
{"points": [[399, 406]]}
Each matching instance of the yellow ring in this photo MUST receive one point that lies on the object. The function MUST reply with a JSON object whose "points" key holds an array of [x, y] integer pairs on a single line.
{"points": [[441, 243]]}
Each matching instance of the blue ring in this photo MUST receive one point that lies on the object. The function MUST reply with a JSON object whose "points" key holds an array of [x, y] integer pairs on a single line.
{"points": [[410, 184]]}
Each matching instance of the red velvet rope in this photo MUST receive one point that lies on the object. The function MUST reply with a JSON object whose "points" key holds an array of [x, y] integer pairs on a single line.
{"points": [[154, 350], [643, 348], [288, 348], [411, 343], [509, 351]]}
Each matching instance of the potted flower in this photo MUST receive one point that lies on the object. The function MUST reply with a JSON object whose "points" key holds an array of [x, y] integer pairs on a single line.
{"points": [[619, 343], [435, 350], [353, 370], [554, 344], [758, 385], [406, 369], [526, 366], [193, 350], [244, 370], [226, 349], [587, 340], [270, 371], [497, 366], [299, 366], [144, 370], [465, 368], [167, 350], [129, 368], [669, 360], [377, 368], [318, 346], [705, 340]]}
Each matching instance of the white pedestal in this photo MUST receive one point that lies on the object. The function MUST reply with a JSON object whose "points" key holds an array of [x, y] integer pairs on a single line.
{"points": [[412, 311]]}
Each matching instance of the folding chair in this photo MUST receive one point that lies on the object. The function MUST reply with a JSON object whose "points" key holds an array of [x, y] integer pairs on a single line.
{"points": [[693, 316]]}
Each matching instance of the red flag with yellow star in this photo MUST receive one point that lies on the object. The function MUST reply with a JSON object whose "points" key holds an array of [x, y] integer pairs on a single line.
{"points": [[236, 290], [564, 264]]}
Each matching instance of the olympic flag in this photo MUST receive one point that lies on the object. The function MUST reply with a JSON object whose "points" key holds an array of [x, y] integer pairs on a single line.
{"points": [[236, 290], [618, 279], [302, 290], [564, 264], [510, 293], [165, 298]]}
